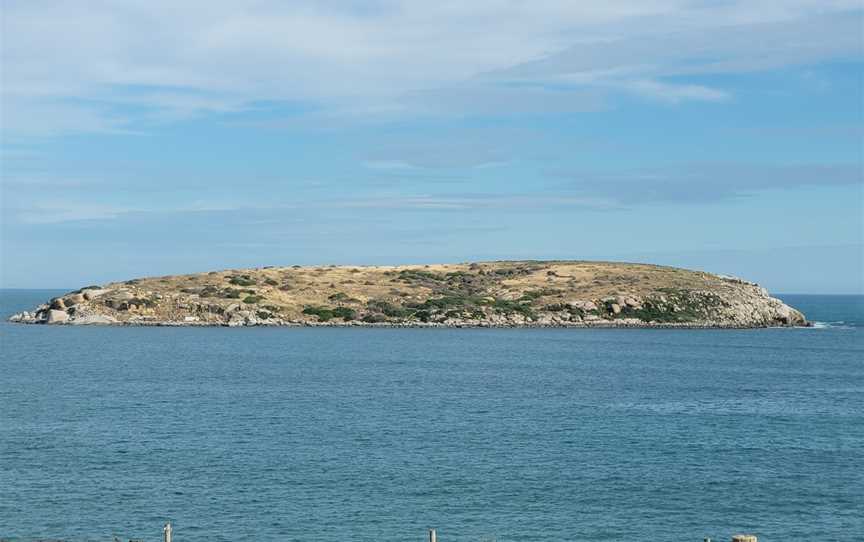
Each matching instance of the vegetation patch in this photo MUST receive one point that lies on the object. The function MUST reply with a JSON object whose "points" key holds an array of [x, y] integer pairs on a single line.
{"points": [[345, 313], [388, 309], [323, 313], [342, 297], [374, 318], [231, 293], [508, 306], [209, 291], [419, 275], [242, 280]]}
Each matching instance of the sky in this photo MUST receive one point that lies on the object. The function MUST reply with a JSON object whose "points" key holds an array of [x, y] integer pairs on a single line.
{"points": [[143, 138]]}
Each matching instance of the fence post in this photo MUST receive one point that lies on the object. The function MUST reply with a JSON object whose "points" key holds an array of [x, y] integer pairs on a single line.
{"points": [[433, 535], [167, 531]]}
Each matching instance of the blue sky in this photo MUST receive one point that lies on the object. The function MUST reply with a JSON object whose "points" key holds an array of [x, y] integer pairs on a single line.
{"points": [[141, 138]]}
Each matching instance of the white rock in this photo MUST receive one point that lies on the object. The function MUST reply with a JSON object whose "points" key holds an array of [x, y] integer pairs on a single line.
{"points": [[93, 319], [56, 317]]}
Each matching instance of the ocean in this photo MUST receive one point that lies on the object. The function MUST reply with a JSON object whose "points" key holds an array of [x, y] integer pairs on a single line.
{"points": [[327, 434]]}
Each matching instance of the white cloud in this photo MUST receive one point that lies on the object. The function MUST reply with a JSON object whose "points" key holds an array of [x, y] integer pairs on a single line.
{"points": [[57, 212], [708, 183], [674, 93], [387, 164], [71, 68]]}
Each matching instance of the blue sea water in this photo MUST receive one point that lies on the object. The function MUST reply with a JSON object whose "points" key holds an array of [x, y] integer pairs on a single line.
{"points": [[378, 434]]}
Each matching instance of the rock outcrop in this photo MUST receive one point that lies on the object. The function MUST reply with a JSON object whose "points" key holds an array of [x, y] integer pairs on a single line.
{"points": [[488, 294]]}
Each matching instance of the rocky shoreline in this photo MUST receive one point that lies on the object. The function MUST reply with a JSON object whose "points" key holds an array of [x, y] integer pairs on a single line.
{"points": [[487, 295], [20, 318]]}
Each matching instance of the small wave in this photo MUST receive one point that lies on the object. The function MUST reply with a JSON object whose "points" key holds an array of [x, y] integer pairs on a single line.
{"points": [[839, 324]]}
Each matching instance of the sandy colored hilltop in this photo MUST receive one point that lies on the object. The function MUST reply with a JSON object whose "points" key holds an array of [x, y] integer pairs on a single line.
{"points": [[494, 294]]}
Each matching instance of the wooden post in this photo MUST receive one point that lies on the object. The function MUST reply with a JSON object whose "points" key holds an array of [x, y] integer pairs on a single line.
{"points": [[167, 531], [433, 536], [744, 538]]}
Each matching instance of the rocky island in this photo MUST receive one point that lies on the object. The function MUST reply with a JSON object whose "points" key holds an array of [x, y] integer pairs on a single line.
{"points": [[484, 294]]}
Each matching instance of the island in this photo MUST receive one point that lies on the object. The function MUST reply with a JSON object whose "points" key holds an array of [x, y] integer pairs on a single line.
{"points": [[481, 294]]}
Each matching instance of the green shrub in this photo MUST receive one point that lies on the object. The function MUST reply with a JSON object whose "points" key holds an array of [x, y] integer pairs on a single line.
{"points": [[374, 318], [388, 309], [231, 293], [323, 313], [414, 275], [449, 301], [208, 291], [508, 306], [344, 313], [244, 280], [252, 299], [271, 282]]}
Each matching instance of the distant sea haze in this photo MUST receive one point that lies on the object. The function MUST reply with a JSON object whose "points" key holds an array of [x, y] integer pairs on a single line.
{"points": [[321, 434]]}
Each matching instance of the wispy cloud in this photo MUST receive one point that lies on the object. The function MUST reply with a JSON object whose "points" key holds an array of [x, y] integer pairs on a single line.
{"points": [[672, 93], [474, 201], [388, 164], [111, 68], [707, 183]]}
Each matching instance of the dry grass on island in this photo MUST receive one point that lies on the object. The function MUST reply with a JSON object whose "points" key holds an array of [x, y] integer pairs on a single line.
{"points": [[509, 293]]}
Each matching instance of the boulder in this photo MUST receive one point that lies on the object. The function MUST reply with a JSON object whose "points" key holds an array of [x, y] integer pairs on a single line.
{"points": [[616, 308], [56, 317], [73, 299], [788, 316], [93, 319], [122, 295], [585, 306], [92, 294], [58, 304], [545, 320]]}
